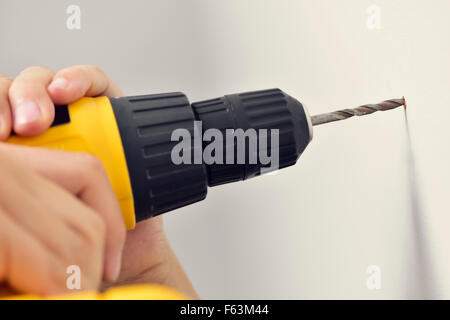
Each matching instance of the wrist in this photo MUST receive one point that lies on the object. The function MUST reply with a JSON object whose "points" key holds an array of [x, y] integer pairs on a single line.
{"points": [[168, 272], [149, 258]]}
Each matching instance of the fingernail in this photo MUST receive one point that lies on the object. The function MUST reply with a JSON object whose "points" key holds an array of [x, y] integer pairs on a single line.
{"points": [[59, 83], [27, 111]]}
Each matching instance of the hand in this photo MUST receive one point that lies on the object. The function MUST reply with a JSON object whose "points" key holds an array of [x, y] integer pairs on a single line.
{"points": [[27, 102], [44, 228], [147, 256]]}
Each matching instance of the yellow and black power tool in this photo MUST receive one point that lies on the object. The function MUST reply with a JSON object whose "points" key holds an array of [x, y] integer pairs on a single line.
{"points": [[133, 137]]}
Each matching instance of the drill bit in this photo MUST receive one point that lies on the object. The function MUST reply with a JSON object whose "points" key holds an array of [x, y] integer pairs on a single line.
{"points": [[358, 111]]}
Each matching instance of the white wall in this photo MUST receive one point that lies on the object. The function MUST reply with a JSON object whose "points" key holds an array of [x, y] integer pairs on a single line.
{"points": [[309, 231]]}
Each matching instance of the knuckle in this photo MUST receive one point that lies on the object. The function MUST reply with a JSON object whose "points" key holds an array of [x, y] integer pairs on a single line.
{"points": [[73, 70], [16, 93], [93, 68], [98, 224], [85, 72], [15, 90], [36, 69], [91, 235], [24, 89], [91, 164], [96, 231]]}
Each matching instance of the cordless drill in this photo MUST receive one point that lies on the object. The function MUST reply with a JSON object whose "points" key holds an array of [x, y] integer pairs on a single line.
{"points": [[133, 137]]}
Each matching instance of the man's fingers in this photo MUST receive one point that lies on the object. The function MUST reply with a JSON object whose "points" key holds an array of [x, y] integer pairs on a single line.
{"points": [[33, 94], [84, 176], [72, 83], [5, 109], [33, 109], [25, 258]]}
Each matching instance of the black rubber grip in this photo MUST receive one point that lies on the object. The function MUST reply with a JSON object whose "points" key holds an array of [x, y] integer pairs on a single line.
{"points": [[145, 125]]}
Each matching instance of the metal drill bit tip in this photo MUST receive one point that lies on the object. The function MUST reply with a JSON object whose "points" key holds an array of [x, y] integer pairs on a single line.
{"points": [[358, 111]]}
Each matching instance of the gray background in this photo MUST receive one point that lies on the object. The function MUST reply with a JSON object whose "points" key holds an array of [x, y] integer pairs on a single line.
{"points": [[309, 231]]}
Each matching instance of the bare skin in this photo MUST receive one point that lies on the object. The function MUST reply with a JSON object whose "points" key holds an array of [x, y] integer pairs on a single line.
{"points": [[27, 106], [45, 228]]}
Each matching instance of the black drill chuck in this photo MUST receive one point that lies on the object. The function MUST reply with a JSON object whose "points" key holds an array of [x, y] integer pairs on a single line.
{"points": [[147, 123]]}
